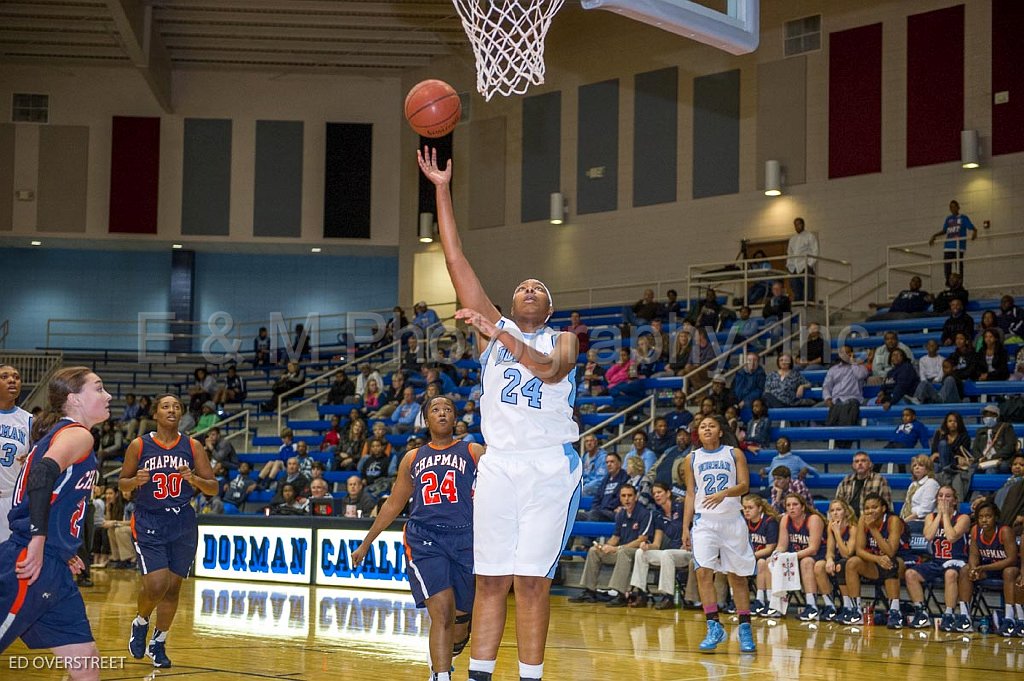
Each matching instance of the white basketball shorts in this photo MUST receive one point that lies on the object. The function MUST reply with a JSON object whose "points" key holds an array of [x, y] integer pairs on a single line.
{"points": [[722, 543], [523, 510], [6, 503]]}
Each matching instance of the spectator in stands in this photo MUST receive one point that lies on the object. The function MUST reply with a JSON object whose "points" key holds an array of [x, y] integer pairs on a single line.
{"points": [[233, 389], [374, 469], [292, 476], [813, 354], [840, 544], [594, 467], [955, 229], [462, 432], [261, 349], [758, 290], [357, 503], [911, 302], [879, 360], [957, 322], [372, 398], [128, 423], [910, 433], [635, 470], [207, 504], [680, 356], [664, 550], [707, 408], [703, 353], [391, 397], [292, 377], [880, 536], [303, 347], [745, 328], [1010, 497], [720, 393], [343, 390], [606, 501], [663, 468], [238, 489], [207, 417], [290, 502], [1018, 369], [660, 437], [680, 416], [640, 450], [950, 386], [187, 423], [967, 364], [785, 457], [995, 443], [900, 382], [763, 526], [802, 531], [783, 484], [994, 357], [844, 382], [470, 416], [954, 291], [447, 383], [988, 321], [633, 527], [785, 386], [923, 490], [423, 316], [304, 459], [220, 450], [645, 356], [378, 432], [111, 442], [671, 308], [862, 482], [413, 356], [951, 442], [661, 342], [929, 367], [351, 447], [759, 428], [594, 375], [801, 257], [201, 390], [366, 374], [393, 329], [579, 329], [706, 314], [403, 419], [622, 371], [1011, 320], [778, 304], [642, 311], [332, 436], [748, 383]]}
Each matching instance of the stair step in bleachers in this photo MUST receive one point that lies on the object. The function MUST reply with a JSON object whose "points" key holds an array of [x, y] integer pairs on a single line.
{"points": [[857, 433]]}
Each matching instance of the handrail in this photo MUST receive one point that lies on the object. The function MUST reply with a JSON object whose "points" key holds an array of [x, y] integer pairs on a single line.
{"points": [[356, 359], [42, 384], [242, 415], [698, 274], [650, 400], [5, 328]]}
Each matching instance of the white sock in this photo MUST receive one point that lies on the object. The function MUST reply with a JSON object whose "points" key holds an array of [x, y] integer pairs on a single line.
{"points": [[1009, 611], [949, 611], [1020, 611], [894, 604], [809, 597], [482, 665], [159, 636], [140, 620], [531, 671], [762, 595], [848, 602], [964, 610], [828, 601], [859, 603], [442, 676]]}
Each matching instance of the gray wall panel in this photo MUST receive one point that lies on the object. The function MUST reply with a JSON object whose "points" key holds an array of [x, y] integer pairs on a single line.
{"points": [[782, 118], [598, 148], [542, 147], [487, 172], [6, 176], [655, 136], [716, 134], [277, 206], [63, 178], [206, 177]]}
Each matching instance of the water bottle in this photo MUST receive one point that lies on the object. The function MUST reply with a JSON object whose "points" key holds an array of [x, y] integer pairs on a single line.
{"points": [[869, 616], [678, 597], [983, 627]]}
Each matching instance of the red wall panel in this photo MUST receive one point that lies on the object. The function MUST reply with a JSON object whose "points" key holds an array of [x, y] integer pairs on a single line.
{"points": [[935, 86], [134, 174], [855, 101], [1008, 76]]}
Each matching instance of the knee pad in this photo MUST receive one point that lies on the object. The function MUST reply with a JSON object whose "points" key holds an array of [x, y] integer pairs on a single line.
{"points": [[459, 646]]}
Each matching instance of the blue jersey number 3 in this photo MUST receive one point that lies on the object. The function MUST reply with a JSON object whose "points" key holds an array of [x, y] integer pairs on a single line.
{"points": [[713, 484], [531, 390], [9, 450]]}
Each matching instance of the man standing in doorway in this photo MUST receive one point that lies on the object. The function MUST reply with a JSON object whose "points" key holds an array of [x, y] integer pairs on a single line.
{"points": [[801, 257]]}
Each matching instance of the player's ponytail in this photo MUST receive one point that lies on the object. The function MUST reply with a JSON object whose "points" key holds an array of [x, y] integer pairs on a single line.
{"points": [[65, 382]]}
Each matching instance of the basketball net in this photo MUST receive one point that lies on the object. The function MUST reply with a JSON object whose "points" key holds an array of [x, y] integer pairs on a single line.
{"points": [[508, 42]]}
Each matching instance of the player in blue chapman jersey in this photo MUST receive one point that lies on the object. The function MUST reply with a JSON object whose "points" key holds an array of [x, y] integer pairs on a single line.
{"points": [[164, 468], [530, 481], [716, 479], [439, 477], [39, 600], [993, 555]]}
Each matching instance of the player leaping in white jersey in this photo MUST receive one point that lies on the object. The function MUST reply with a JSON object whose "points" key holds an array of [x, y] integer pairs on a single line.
{"points": [[15, 436], [528, 485], [716, 480]]}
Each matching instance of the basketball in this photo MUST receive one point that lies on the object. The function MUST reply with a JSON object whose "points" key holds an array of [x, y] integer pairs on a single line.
{"points": [[432, 108]]}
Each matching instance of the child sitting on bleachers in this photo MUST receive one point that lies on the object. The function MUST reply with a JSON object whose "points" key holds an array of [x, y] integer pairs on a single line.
{"points": [[910, 433]]}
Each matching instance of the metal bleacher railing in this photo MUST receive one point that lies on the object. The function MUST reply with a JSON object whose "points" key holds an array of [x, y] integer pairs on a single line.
{"points": [[35, 369], [244, 431], [5, 330]]}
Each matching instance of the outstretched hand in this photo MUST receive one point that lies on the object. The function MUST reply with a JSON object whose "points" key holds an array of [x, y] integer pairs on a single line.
{"points": [[428, 164], [477, 321]]}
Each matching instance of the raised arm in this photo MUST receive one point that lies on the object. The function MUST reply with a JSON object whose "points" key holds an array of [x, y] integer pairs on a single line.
{"points": [[468, 288]]}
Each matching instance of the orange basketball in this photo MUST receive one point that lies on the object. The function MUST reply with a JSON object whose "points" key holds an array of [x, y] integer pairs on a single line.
{"points": [[432, 108]]}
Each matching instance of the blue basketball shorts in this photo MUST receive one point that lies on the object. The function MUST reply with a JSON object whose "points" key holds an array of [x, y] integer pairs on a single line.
{"points": [[165, 539], [936, 569], [438, 559]]}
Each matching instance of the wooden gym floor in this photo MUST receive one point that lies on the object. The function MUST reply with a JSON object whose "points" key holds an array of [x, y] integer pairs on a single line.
{"points": [[236, 630]]}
